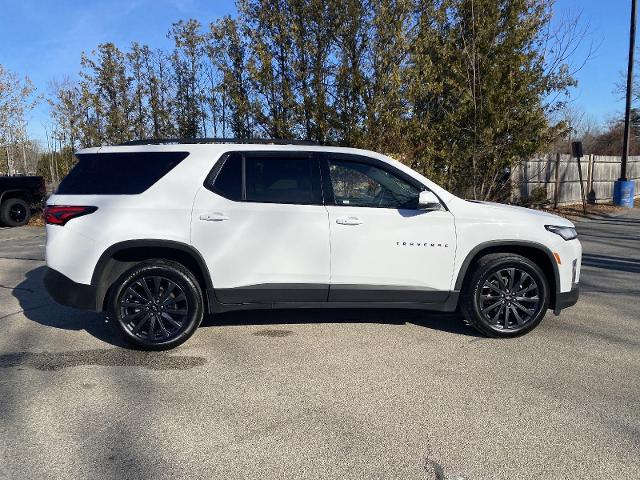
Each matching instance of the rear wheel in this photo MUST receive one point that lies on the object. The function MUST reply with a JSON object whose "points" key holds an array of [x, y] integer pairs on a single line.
{"points": [[157, 305], [506, 295], [15, 212]]}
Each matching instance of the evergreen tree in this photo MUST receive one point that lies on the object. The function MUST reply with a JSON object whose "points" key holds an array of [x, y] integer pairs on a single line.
{"points": [[187, 60], [386, 56], [106, 91], [478, 84], [228, 53], [266, 24], [157, 75], [461, 90], [352, 41], [139, 90]]}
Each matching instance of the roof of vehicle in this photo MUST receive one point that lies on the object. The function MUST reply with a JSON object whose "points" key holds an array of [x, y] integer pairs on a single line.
{"points": [[192, 141], [218, 144]]}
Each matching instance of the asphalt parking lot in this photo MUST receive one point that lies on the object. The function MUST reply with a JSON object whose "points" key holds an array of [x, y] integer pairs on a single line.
{"points": [[326, 394]]}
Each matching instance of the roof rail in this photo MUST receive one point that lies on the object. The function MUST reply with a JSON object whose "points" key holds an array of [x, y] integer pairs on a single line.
{"points": [[263, 141]]}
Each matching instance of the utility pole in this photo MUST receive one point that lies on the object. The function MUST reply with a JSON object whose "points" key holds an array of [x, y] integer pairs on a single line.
{"points": [[576, 151], [623, 190]]}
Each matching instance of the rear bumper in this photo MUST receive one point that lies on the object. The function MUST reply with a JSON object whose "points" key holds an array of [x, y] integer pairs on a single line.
{"points": [[69, 293], [567, 299]]}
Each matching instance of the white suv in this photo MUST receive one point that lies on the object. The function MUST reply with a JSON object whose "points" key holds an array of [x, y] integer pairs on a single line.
{"points": [[158, 233]]}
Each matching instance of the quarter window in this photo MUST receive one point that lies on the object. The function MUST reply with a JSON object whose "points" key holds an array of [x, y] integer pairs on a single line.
{"points": [[362, 185], [118, 173]]}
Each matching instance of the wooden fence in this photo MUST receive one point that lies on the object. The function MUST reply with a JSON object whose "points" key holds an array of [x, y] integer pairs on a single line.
{"points": [[559, 175]]}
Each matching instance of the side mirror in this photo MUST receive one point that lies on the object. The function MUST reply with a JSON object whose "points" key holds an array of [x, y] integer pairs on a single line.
{"points": [[428, 201]]}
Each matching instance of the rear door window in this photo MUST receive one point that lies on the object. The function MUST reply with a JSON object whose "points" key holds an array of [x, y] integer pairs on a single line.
{"points": [[268, 178], [118, 173], [282, 180]]}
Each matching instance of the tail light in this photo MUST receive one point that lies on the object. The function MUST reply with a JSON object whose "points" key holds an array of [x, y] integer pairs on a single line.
{"points": [[61, 214]]}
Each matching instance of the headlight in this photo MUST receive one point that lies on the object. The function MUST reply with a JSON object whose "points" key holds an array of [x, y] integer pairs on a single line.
{"points": [[568, 233]]}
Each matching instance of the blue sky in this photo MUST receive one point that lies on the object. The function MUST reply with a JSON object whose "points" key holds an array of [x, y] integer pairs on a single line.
{"points": [[44, 38]]}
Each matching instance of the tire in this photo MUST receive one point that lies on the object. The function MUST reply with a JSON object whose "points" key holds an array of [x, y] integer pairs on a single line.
{"points": [[15, 212], [171, 305], [490, 297]]}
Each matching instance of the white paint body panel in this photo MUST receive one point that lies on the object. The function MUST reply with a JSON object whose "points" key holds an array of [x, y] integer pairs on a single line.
{"points": [[261, 243], [161, 212], [274, 243], [484, 222], [392, 247]]}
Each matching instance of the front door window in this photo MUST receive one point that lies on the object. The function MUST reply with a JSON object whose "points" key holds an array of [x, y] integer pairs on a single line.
{"points": [[362, 185]]}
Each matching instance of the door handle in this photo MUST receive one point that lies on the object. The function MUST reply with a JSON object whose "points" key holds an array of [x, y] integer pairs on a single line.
{"points": [[214, 217], [349, 221]]}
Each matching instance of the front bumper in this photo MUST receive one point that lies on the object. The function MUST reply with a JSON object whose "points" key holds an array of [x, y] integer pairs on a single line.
{"points": [[67, 292], [567, 299]]}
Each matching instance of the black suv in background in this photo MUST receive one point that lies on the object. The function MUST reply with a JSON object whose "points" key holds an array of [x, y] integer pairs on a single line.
{"points": [[19, 197]]}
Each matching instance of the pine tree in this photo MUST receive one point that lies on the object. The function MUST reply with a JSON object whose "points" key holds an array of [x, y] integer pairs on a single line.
{"points": [[352, 41], [266, 24], [157, 75], [187, 70], [139, 90], [479, 80], [385, 66], [106, 89], [227, 51], [461, 90]]}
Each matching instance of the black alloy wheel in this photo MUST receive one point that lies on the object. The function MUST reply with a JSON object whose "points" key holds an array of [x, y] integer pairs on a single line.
{"points": [[15, 212], [154, 308], [157, 304], [505, 295], [509, 298]]}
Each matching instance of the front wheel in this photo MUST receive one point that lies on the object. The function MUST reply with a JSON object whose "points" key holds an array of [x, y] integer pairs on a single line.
{"points": [[506, 295], [156, 305]]}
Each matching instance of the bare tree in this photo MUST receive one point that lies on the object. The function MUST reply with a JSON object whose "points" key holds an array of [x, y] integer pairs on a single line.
{"points": [[17, 99]]}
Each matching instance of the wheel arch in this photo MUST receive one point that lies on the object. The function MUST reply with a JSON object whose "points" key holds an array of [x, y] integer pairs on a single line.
{"points": [[16, 193], [536, 252], [121, 256]]}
